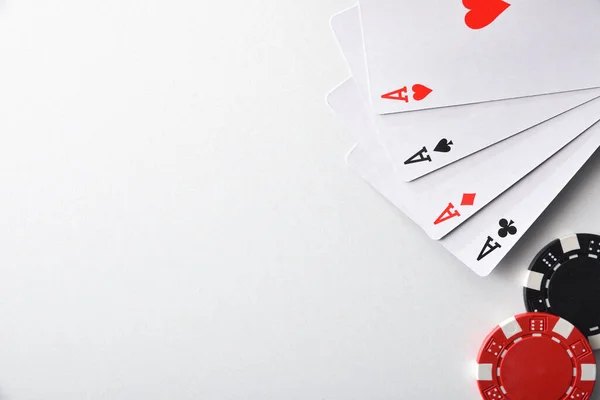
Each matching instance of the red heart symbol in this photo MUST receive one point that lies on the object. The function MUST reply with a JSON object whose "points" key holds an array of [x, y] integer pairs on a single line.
{"points": [[483, 12], [420, 92]]}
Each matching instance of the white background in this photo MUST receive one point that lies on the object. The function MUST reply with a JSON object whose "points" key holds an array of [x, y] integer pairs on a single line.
{"points": [[177, 221]]}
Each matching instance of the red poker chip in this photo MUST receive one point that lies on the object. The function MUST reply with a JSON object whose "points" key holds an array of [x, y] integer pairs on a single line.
{"points": [[536, 356]]}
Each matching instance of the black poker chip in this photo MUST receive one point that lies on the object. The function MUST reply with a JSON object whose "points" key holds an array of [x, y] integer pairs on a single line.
{"points": [[564, 280]]}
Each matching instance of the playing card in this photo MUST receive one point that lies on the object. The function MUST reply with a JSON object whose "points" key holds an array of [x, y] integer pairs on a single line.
{"points": [[441, 202], [483, 241], [421, 142], [437, 53]]}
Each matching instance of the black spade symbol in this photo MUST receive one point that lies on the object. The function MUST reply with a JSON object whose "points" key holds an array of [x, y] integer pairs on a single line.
{"points": [[443, 146]]}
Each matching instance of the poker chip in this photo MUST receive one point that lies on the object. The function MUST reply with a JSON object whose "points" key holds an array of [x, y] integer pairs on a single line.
{"points": [[536, 356], [564, 280]]}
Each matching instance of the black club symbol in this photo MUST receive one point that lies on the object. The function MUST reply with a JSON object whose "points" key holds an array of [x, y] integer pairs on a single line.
{"points": [[507, 228]]}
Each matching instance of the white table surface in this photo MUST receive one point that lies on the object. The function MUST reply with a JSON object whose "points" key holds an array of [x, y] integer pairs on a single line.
{"points": [[178, 221]]}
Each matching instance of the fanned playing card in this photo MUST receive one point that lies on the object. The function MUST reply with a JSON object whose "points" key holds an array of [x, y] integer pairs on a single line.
{"points": [[441, 202], [421, 142], [482, 241], [438, 53]]}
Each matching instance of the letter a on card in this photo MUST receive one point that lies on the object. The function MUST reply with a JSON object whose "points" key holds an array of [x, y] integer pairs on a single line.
{"points": [[448, 213], [488, 248], [421, 156]]}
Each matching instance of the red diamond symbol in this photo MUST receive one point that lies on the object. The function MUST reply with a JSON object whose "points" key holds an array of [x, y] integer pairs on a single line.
{"points": [[468, 199]]}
